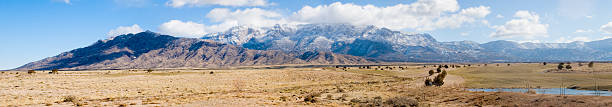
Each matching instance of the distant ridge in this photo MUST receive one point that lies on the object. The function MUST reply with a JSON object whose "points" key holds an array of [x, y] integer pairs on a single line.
{"points": [[151, 50]]}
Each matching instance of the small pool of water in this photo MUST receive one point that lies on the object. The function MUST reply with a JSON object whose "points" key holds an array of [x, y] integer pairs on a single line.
{"points": [[547, 91]]}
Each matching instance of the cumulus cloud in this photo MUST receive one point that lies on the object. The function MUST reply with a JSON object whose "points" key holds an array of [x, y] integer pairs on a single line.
{"points": [[124, 30], [527, 25], [184, 29], [607, 28], [67, 1], [224, 19], [247, 17], [420, 15], [181, 3]]}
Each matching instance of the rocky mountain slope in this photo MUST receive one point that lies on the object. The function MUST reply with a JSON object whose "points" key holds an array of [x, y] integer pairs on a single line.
{"points": [[386, 45], [151, 50]]}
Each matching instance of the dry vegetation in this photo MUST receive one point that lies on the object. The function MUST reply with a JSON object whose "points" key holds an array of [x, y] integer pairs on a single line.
{"points": [[327, 86], [536, 75]]}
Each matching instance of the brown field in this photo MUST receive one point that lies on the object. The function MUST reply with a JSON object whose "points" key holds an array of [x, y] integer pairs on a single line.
{"points": [[291, 86]]}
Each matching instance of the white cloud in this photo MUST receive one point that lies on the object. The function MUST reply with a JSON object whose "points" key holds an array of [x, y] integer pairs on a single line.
{"points": [[248, 17], [607, 28], [420, 15], [528, 41], [124, 30], [224, 19], [181, 3], [583, 31], [184, 29], [580, 38], [588, 17], [527, 26], [572, 39], [499, 16], [464, 33], [605, 37]]}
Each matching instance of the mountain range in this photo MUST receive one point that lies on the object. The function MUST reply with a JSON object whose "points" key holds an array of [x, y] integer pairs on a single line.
{"points": [[151, 50], [382, 44], [307, 44]]}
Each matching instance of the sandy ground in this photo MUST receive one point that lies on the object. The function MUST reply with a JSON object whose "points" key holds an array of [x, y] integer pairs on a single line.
{"points": [[258, 87]]}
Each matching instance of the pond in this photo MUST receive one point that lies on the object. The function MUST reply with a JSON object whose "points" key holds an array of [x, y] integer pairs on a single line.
{"points": [[547, 91]]}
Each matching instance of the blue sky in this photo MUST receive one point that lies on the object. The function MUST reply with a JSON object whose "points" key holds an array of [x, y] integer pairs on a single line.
{"points": [[34, 29]]}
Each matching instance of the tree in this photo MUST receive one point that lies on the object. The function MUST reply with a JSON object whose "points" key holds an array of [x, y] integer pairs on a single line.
{"points": [[445, 66], [544, 63], [439, 70], [431, 72], [560, 66], [568, 66], [508, 64], [591, 64]]}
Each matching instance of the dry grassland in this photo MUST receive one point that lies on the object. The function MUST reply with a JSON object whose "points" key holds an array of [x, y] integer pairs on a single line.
{"points": [[318, 86]]}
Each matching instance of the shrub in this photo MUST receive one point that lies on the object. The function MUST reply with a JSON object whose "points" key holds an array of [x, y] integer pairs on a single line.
{"points": [[428, 82], [591, 64], [284, 98], [54, 71], [431, 72], [560, 66], [329, 96], [69, 99], [340, 90], [343, 97], [402, 101], [149, 70], [445, 66], [438, 70], [31, 72], [544, 63], [311, 97], [568, 67], [439, 80]]}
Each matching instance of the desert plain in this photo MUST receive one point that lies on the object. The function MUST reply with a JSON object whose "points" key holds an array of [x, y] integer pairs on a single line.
{"points": [[394, 84]]}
